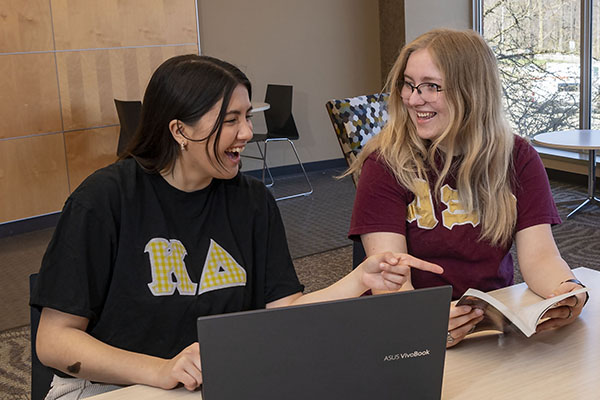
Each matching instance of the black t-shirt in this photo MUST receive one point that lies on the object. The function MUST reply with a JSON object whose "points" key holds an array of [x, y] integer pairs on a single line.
{"points": [[142, 260]]}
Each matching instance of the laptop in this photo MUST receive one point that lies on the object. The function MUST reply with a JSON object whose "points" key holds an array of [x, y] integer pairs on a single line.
{"points": [[389, 346]]}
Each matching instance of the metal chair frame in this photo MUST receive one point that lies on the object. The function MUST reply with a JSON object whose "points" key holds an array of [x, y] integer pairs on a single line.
{"points": [[280, 128]]}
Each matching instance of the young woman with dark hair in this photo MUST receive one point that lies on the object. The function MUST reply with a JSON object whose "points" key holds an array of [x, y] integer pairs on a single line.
{"points": [[171, 232]]}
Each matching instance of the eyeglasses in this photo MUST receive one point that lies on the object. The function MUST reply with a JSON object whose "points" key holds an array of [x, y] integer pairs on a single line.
{"points": [[427, 90]]}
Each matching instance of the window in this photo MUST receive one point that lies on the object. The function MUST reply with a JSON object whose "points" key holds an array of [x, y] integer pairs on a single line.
{"points": [[537, 44]]}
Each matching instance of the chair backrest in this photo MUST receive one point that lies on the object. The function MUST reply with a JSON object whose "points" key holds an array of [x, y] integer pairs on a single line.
{"points": [[41, 376], [356, 120], [129, 117], [279, 119]]}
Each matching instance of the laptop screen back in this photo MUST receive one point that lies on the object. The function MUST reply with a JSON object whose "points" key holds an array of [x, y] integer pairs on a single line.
{"points": [[382, 347]]}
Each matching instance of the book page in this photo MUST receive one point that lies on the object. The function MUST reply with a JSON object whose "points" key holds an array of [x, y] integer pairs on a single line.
{"points": [[497, 316], [533, 313]]}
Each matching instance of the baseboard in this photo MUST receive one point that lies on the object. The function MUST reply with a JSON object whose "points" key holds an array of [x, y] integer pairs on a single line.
{"points": [[29, 225], [295, 168]]}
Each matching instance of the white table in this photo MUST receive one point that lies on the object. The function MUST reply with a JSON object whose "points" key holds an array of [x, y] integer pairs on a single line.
{"points": [[257, 107], [577, 139], [561, 364]]}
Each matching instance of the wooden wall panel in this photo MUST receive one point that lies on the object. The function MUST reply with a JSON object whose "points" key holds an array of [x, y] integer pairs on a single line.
{"points": [[91, 80], [25, 26], [33, 176], [86, 24], [88, 151], [58, 122], [29, 97]]}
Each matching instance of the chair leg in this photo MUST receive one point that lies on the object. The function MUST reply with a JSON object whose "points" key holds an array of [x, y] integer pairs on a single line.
{"points": [[308, 193], [265, 166]]}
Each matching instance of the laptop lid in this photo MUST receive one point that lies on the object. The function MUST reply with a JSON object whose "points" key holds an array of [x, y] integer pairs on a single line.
{"points": [[388, 346]]}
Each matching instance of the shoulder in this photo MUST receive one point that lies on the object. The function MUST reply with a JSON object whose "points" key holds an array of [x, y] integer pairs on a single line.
{"points": [[375, 172], [107, 184], [523, 151], [375, 163]]}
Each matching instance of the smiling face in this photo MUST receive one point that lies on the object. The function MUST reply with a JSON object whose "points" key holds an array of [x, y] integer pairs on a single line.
{"points": [[430, 118], [195, 168]]}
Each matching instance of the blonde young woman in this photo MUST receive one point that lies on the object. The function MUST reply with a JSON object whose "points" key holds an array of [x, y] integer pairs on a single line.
{"points": [[447, 181]]}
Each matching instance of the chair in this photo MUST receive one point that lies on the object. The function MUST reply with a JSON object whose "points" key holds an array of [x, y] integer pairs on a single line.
{"points": [[280, 127], [355, 121], [41, 376], [129, 117]]}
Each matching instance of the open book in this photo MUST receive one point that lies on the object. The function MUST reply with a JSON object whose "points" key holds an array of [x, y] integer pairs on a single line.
{"points": [[499, 317]]}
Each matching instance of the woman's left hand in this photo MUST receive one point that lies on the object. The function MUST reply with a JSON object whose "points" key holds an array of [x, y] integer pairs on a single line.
{"points": [[566, 311], [389, 271]]}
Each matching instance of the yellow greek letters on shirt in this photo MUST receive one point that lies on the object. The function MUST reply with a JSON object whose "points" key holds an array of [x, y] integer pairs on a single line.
{"points": [[455, 214], [170, 273], [166, 261], [220, 270], [421, 208]]}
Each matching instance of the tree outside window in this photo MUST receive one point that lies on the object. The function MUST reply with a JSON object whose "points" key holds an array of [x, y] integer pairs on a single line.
{"points": [[537, 44]]}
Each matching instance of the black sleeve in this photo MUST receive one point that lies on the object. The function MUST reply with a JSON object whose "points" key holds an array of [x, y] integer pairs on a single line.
{"points": [[281, 279], [76, 268]]}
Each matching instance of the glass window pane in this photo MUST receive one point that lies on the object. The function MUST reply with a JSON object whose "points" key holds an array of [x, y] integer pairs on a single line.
{"points": [[537, 46], [595, 64]]}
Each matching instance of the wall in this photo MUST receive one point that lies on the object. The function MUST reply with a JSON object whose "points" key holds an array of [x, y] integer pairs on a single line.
{"points": [[62, 62], [424, 15], [325, 49], [391, 33]]}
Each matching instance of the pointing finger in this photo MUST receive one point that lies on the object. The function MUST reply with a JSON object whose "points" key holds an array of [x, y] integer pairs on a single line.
{"points": [[417, 263]]}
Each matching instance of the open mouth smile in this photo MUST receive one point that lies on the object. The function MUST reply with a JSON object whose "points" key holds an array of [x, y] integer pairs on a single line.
{"points": [[233, 153], [426, 115]]}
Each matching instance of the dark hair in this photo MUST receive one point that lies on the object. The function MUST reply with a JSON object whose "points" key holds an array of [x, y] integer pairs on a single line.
{"points": [[183, 88]]}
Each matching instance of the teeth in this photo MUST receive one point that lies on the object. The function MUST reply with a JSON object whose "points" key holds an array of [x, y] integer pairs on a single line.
{"points": [[235, 149], [425, 114]]}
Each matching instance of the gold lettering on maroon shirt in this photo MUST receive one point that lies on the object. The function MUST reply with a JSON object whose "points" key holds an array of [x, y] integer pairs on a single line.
{"points": [[455, 214], [421, 208]]}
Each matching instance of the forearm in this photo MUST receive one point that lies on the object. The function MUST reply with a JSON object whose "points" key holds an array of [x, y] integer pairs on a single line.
{"points": [[386, 271], [349, 286], [379, 242], [547, 274], [541, 265], [73, 351]]}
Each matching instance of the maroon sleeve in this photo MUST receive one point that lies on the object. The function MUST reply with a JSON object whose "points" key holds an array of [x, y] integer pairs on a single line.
{"points": [[380, 203], [535, 204]]}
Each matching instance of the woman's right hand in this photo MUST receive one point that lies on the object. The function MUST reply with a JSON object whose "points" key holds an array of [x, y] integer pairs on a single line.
{"points": [[184, 368], [462, 322]]}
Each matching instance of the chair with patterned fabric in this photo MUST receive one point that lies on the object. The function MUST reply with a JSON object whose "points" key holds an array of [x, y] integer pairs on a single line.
{"points": [[355, 121]]}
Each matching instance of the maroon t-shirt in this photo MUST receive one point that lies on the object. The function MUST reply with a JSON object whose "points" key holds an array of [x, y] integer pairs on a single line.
{"points": [[440, 232]]}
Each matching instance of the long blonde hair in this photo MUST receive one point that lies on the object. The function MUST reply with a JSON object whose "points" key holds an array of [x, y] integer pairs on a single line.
{"points": [[478, 131]]}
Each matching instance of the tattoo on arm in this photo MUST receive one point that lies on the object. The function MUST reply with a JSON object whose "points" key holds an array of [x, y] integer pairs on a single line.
{"points": [[74, 369]]}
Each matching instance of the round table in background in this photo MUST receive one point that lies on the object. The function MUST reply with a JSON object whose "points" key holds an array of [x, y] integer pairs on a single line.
{"points": [[257, 107], [576, 139]]}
